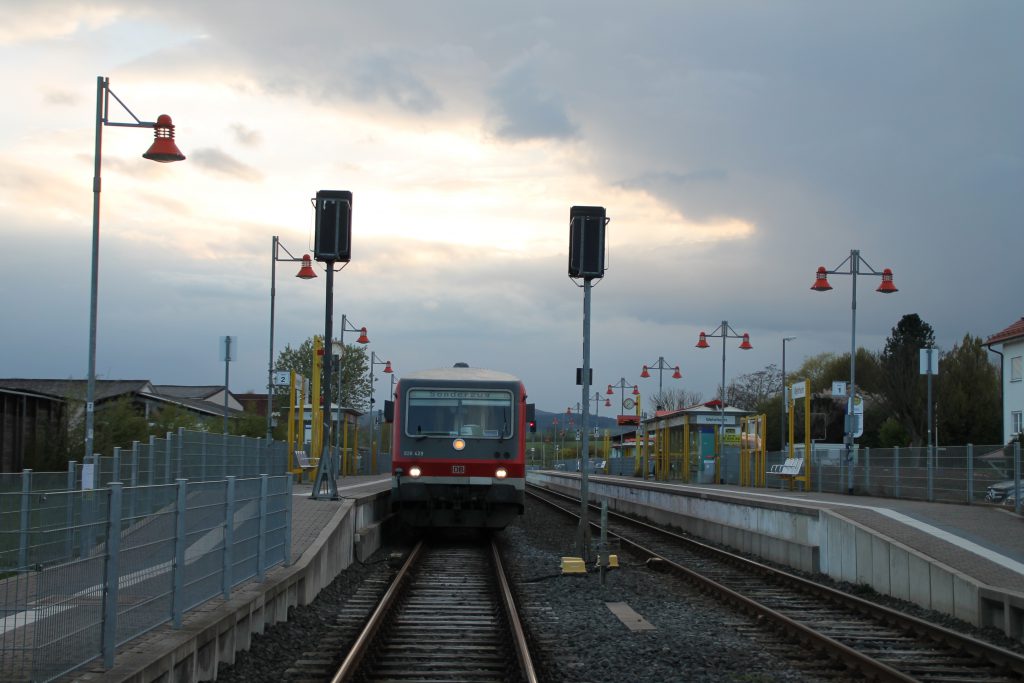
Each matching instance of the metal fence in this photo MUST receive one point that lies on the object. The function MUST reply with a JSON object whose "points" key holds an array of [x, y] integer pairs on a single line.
{"points": [[83, 570], [953, 474]]}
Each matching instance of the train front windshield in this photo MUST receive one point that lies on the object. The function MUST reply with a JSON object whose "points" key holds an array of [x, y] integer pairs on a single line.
{"points": [[459, 412]]}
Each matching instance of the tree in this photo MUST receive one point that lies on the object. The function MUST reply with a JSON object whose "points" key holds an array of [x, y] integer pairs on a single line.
{"points": [[828, 412], [905, 393], [891, 433], [674, 399], [355, 385], [118, 423], [968, 406], [170, 417], [753, 389], [248, 424]]}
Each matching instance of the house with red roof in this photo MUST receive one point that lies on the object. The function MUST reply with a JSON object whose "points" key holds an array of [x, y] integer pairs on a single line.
{"points": [[1010, 343]]}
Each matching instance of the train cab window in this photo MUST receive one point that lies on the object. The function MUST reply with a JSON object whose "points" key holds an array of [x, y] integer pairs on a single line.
{"points": [[455, 412]]}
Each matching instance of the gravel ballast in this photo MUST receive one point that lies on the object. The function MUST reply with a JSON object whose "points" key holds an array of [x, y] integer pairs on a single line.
{"points": [[574, 634]]}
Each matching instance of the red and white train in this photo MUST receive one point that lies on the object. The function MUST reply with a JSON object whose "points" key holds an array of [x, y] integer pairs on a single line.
{"points": [[459, 446]]}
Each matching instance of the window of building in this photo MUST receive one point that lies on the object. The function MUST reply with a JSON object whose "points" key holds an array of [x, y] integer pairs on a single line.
{"points": [[1015, 369], [1018, 421]]}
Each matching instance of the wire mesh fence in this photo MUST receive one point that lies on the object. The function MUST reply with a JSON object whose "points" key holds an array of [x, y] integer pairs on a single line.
{"points": [[94, 557], [951, 474]]}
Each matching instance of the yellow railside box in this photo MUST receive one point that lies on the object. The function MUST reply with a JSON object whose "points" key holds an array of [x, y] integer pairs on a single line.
{"points": [[573, 565]]}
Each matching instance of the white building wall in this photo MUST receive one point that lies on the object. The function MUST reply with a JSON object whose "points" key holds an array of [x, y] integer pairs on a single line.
{"points": [[1013, 390]]}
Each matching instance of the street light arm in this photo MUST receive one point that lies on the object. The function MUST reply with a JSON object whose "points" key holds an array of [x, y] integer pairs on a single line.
{"points": [[105, 85], [278, 247]]}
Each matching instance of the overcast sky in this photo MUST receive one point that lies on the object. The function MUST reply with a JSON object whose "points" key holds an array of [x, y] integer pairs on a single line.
{"points": [[737, 146]]}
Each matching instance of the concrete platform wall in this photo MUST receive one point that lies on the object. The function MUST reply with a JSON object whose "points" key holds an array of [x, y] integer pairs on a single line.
{"points": [[856, 554]]}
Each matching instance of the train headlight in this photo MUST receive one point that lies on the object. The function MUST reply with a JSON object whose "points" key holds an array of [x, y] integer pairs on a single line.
{"points": [[459, 444], [501, 473], [415, 471]]}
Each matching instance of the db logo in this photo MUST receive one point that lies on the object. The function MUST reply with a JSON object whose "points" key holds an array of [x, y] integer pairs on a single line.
{"points": [[458, 469]]}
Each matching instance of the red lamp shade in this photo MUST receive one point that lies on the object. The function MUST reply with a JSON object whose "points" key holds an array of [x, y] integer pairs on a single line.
{"points": [[887, 287], [636, 390], [645, 374], [610, 392], [387, 368], [745, 344], [702, 343], [306, 272], [677, 374], [608, 403], [163, 148], [821, 280], [363, 339]]}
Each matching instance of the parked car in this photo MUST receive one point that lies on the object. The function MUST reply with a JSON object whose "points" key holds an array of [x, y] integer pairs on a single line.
{"points": [[997, 493]]}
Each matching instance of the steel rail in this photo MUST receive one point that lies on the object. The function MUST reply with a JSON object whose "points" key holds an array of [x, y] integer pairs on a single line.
{"points": [[519, 636], [359, 649]]}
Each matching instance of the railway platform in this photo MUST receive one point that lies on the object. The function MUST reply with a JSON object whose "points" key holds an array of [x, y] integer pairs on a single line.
{"points": [[963, 560], [327, 536]]}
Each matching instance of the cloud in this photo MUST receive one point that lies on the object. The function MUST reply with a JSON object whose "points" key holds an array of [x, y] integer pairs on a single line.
{"points": [[246, 136], [61, 98], [525, 108], [391, 78], [49, 20], [220, 162]]}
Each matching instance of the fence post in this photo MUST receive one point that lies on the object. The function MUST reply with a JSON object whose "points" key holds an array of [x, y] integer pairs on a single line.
{"points": [[288, 521], [896, 470], [167, 458], [26, 494], [178, 452], [115, 474], [183, 471], [89, 509], [69, 510], [931, 472], [202, 456], [842, 471], [1016, 476], [111, 573], [229, 532], [970, 473], [261, 558], [178, 575], [134, 482], [817, 464], [867, 470]]}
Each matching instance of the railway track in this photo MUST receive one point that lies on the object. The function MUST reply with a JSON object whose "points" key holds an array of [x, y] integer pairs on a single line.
{"points": [[875, 641], [448, 616]]}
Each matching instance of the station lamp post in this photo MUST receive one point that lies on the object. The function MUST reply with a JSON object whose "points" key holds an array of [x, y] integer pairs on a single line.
{"points": [[596, 398], [783, 446], [622, 386], [346, 326], [660, 365], [306, 272], [163, 150], [854, 262], [725, 332], [374, 361]]}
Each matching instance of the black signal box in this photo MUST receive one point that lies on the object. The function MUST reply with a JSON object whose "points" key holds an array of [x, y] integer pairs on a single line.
{"points": [[333, 238], [586, 241]]}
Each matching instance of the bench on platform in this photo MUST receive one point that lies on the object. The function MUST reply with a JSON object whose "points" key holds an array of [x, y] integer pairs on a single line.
{"points": [[790, 468], [305, 462]]}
